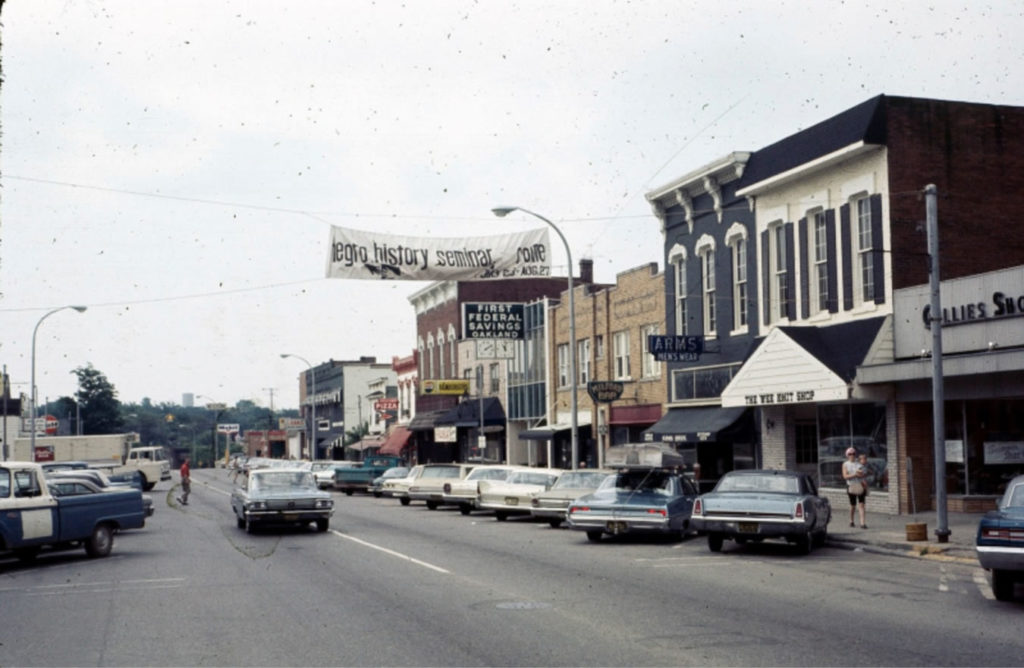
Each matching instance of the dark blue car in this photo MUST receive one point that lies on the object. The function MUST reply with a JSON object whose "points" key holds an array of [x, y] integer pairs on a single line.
{"points": [[1000, 541], [634, 500]]}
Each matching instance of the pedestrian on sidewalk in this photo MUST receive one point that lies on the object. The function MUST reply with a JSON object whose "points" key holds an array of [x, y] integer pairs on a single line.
{"points": [[186, 482], [855, 475]]}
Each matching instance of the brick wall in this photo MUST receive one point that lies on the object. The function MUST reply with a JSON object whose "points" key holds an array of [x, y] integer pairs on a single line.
{"points": [[974, 154]]}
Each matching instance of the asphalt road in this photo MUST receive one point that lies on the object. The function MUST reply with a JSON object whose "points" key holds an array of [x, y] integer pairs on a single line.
{"points": [[405, 586]]}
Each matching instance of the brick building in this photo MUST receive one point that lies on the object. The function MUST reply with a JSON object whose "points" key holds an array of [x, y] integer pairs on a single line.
{"points": [[612, 325], [438, 333], [840, 227]]}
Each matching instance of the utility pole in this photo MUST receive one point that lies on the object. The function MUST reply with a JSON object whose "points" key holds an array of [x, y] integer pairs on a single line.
{"points": [[270, 418], [938, 390]]}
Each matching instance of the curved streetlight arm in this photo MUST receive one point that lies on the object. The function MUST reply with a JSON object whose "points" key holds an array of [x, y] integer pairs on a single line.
{"points": [[312, 403], [32, 388], [501, 212]]}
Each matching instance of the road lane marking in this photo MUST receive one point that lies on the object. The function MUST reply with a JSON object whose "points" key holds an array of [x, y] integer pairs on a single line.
{"points": [[981, 580], [391, 552]]}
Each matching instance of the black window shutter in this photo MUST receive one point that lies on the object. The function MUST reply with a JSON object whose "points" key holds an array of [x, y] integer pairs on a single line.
{"points": [[790, 305], [766, 272], [847, 240], [877, 259], [830, 243], [805, 282]]}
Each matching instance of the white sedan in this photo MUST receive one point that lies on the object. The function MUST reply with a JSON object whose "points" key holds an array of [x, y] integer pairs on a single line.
{"points": [[514, 495]]}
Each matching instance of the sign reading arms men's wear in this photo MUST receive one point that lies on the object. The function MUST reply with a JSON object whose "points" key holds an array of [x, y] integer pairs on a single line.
{"points": [[374, 255], [675, 348]]}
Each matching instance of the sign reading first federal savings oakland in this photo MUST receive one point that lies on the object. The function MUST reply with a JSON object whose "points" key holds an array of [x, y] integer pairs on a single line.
{"points": [[675, 348], [492, 320], [374, 255]]}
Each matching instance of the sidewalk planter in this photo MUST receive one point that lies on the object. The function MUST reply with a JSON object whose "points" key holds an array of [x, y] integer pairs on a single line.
{"points": [[917, 531]]}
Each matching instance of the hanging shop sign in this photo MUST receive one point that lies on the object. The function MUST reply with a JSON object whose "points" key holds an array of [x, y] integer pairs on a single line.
{"points": [[444, 387], [605, 391], [685, 348]]}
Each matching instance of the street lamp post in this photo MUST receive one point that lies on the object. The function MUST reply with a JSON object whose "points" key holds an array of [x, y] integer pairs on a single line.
{"points": [[32, 389], [503, 211], [312, 404]]}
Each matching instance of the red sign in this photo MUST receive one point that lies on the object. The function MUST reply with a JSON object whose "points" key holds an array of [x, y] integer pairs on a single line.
{"points": [[382, 405], [43, 453], [385, 416]]}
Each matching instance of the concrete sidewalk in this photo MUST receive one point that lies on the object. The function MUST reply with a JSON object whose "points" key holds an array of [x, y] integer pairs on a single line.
{"points": [[888, 534]]}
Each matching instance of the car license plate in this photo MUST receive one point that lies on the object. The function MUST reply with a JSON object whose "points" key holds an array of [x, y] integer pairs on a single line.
{"points": [[616, 527], [747, 527], [511, 500], [291, 517]]}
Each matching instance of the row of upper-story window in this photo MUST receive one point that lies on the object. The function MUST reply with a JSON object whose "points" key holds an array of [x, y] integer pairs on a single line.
{"points": [[622, 360], [814, 242], [436, 351]]}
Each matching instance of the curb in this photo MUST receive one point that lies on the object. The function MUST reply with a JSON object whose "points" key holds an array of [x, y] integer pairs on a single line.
{"points": [[925, 551]]}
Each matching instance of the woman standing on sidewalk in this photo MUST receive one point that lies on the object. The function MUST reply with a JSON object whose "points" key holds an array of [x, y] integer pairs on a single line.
{"points": [[855, 476]]}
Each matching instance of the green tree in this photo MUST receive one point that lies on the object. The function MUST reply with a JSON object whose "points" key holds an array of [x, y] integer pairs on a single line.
{"points": [[97, 398]]}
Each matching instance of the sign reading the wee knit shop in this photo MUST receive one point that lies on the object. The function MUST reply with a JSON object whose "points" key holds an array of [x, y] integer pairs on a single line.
{"points": [[492, 320], [684, 348]]}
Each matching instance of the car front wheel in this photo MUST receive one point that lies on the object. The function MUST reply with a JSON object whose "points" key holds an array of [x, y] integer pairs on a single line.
{"points": [[239, 522], [500, 516], [322, 524], [465, 508], [404, 501], [431, 505]]}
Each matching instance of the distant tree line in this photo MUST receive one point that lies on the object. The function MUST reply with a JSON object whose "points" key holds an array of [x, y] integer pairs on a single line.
{"points": [[95, 409]]}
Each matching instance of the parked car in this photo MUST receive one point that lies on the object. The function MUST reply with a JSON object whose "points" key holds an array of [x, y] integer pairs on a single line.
{"points": [[514, 494], [466, 492], [1000, 541], [32, 519], [553, 505], [429, 486], [644, 499], [102, 482], [351, 479], [752, 505], [323, 470], [377, 486], [398, 488], [281, 496]]}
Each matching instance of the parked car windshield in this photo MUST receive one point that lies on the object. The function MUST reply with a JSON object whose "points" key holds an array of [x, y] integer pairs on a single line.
{"points": [[487, 474], [1015, 495], [656, 482], [441, 472], [530, 478], [759, 483], [581, 479], [277, 480], [396, 472]]}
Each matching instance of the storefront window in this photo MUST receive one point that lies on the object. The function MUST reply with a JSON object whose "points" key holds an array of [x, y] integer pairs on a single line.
{"points": [[984, 445], [861, 426]]}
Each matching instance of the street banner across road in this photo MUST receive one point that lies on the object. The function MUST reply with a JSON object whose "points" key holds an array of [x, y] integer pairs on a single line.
{"points": [[375, 255]]}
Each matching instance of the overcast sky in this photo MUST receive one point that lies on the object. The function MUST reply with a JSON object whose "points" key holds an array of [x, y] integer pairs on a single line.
{"points": [[176, 166]]}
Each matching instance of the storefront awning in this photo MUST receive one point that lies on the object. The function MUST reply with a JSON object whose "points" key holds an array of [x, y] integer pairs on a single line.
{"points": [[395, 442], [467, 413], [693, 425], [547, 433], [793, 365], [425, 420]]}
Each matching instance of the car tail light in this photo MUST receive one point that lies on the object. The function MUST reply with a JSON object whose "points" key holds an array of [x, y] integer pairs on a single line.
{"points": [[798, 512], [698, 507], [657, 511], [579, 509]]}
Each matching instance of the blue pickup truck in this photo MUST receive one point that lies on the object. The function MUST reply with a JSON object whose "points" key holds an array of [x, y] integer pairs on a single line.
{"points": [[32, 518]]}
